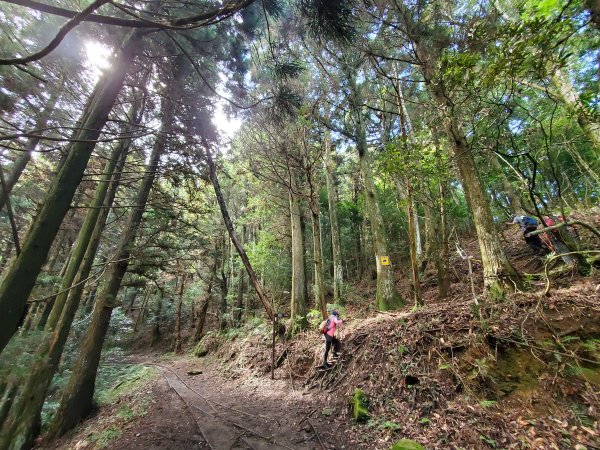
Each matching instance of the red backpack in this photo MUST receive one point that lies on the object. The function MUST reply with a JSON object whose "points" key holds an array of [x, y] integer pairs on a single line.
{"points": [[324, 326]]}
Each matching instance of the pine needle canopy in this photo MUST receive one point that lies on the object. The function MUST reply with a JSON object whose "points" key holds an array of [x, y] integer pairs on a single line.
{"points": [[333, 19]]}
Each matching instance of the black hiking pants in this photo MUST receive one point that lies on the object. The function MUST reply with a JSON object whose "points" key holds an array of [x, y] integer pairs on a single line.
{"points": [[534, 242], [329, 340]]}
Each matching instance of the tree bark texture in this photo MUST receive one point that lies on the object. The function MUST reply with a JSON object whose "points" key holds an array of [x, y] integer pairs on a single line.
{"points": [[178, 343], [21, 275], [298, 300], [22, 427], [77, 399], [336, 248], [498, 273], [387, 296]]}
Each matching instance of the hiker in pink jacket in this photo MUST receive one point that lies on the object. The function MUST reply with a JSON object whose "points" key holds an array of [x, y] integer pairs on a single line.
{"points": [[332, 324]]}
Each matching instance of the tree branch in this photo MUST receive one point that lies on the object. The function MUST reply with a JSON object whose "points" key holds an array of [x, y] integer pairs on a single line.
{"points": [[76, 20]]}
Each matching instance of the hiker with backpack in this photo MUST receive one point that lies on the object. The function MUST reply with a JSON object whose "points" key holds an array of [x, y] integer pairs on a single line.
{"points": [[529, 224], [328, 328]]}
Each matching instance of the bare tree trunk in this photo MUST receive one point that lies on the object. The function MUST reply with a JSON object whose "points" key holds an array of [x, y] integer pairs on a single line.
{"points": [[140, 317], [20, 277], [239, 307], [319, 285], [206, 303], [224, 285], [336, 248], [414, 237], [412, 233], [443, 261], [387, 297], [178, 348], [298, 298], [156, 335]]}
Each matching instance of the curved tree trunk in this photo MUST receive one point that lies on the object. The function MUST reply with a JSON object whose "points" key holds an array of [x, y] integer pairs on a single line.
{"points": [[21, 276]]}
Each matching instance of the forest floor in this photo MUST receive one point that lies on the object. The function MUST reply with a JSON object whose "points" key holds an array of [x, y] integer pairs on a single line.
{"points": [[520, 372], [192, 404]]}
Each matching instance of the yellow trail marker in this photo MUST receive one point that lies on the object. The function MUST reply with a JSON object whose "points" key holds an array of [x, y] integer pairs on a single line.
{"points": [[385, 260]]}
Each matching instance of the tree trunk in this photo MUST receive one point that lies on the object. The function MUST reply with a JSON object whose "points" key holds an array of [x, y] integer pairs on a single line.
{"points": [[178, 345], [336, 248], [319, 285], [140, 316], [224, 285], [298, 298], [443, 261], [156, 335], [21, 276], [77, 399], [118, 154], [206, 303], [387, 297], [24, 422], [590, 128], [19, 165], [232, 235], [239, 306], [498, 273], [412, 234], [414, 237]]}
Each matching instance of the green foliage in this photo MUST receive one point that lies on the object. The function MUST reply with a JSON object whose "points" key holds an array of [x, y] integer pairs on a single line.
{"points": [[393, 426], [105, 437], [407, 444], [332, 19], [488, 440], [200, 350], [359, 406], [20, 354], [116, 380], [487, 403]]}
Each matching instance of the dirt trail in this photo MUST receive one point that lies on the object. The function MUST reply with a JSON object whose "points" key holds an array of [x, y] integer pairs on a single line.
{"points": [[245, 414]]}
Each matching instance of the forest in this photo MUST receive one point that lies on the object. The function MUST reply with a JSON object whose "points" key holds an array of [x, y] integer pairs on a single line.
{"points": [[190, 188]]}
